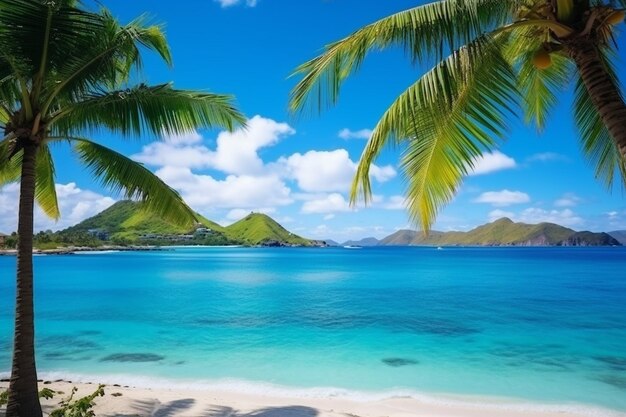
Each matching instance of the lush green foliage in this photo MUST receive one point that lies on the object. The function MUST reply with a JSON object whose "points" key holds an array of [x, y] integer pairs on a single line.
{"points": [[82, 407], [485, 72]]}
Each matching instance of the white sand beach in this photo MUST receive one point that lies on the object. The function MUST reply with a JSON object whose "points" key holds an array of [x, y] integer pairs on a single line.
{"points": [[124, 401]]}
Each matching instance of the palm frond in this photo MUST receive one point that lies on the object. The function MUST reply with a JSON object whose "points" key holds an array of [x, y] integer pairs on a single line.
{"points": [[597, 144], [134, 181], [447, 119], [10, 168], [540, 88], [45, 190], [148, 109], [35, 33], [423, 31], [107, 58]]}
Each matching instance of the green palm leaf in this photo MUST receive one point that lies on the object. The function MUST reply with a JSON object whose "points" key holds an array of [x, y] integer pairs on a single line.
{"points": [[540, 88], [46, 31], [45, 190], [10, 169], [144, 109], [107, 58], [447, 118], [134, 181], [423, 31]]}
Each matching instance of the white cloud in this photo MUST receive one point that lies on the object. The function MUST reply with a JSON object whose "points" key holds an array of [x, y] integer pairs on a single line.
{"points": [[395, 202], [615, 220], [188, 138], [203, 192], [498, 214], [238, 214], [568, 200], [564, 217], [331, 203], [492, 162], [327, 171], [236, 152], [503, 198], [354, 134], [75, 205], [547, 157], [229, 3], [324, 231]]}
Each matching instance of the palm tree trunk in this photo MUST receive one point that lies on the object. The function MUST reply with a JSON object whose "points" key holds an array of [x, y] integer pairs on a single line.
{"points": [[604, 94], [23, 393]]}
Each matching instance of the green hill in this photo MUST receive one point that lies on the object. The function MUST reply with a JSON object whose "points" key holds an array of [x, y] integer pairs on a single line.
{"points": [[127, 222], [260, 229], [503, 232]]}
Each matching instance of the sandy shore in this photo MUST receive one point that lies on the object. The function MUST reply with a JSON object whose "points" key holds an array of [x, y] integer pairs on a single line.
{"points": [[121, 401]]}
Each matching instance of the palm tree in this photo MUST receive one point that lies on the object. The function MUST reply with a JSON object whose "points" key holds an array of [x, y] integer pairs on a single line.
{"points": [[64, 74], [491, 57]]}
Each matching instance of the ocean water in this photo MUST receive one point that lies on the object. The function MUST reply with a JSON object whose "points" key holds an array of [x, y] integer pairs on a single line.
{"points": [[543, 325]]}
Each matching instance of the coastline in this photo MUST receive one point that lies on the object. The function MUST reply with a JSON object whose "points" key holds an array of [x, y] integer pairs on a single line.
{"points": [[238, 399], [71, 250]]}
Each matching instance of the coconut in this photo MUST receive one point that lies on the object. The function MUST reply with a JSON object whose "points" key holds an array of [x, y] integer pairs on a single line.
{"points": [[542, 59], [616, 17]]}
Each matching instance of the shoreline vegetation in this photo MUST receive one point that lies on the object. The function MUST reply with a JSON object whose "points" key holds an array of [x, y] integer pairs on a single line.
{"points": [[183, 400]]}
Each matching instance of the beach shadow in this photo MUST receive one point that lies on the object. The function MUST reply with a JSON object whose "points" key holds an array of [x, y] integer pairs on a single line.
{"points": [[155, 408], [289, 411]]}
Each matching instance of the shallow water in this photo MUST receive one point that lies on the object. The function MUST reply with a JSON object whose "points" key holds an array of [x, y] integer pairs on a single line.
{"points": [[539, 324]]}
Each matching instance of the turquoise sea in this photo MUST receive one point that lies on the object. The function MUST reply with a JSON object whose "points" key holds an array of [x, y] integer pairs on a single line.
{"points": [[543, 325]]}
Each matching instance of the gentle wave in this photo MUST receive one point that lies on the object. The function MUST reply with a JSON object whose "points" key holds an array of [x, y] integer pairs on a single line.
{"points": [[96, 252], [266, 389]]}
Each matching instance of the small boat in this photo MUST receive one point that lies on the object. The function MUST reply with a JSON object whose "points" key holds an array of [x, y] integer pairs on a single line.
{"points": [[439, 248], [353, 247]]}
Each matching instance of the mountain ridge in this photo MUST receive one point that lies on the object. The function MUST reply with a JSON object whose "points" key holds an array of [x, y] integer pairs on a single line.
{"points": [[503, 232], [127, 222]]}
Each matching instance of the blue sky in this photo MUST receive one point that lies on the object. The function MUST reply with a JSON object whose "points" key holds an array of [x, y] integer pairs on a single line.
{"points": [[298, 169]]}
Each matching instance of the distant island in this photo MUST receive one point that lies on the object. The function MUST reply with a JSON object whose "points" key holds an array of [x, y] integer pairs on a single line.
{"points": [[502, 232], [126, 226]]}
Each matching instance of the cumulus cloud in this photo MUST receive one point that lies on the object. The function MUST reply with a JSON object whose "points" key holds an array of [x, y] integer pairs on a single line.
{"points": [[395, 202], [330, 203], [547, 157], [238, 214], [568, 200], [229, 3], [564, 217], [534, 215], [188, 138], [503, 198], [492, 162], [250, 182], [354, 134], [327, 171], [75, 205], [235, 153], [203, 192], [498, 214]]}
